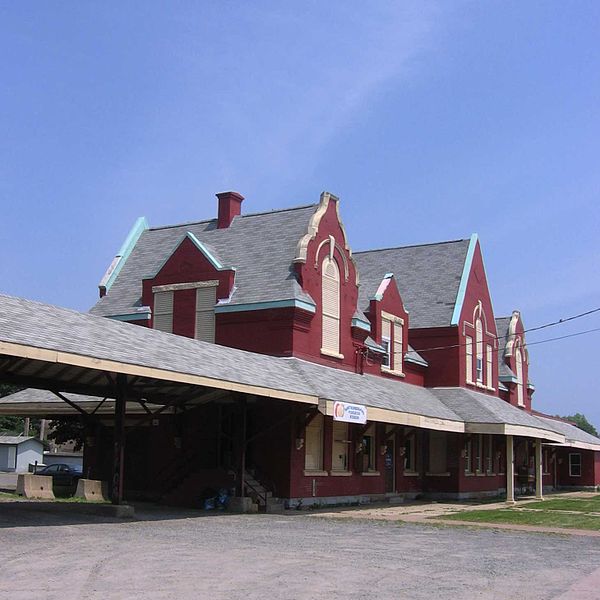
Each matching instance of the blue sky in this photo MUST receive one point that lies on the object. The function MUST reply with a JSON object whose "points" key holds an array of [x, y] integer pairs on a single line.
{"points": [[430, 120]]}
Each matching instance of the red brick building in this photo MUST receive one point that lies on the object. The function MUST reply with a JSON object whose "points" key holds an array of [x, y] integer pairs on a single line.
{"points": [[421, 389]]}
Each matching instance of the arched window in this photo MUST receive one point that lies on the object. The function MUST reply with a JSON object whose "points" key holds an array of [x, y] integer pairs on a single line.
{"points": [[479, 349], [519, 363], [330, 280]]}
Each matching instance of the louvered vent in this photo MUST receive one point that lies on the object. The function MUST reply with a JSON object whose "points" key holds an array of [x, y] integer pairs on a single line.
{"points": [[163, 311], [331, 307], [206, 298]]}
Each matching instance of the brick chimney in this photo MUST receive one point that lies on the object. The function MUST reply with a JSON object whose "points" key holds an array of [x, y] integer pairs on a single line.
{"points": [[230, 206]]}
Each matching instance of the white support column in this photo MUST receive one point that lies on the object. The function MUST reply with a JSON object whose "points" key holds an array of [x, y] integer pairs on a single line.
{"points": [[510, 470], [538, 469]]}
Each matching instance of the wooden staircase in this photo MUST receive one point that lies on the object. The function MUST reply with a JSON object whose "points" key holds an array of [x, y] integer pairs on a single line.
{"points": [[261, 496]]}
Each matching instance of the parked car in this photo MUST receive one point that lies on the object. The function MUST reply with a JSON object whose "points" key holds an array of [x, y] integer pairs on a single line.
{"points": [[64, 476]]}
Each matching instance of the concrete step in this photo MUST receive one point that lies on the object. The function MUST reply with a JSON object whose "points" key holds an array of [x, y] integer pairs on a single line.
{"points": [[396, 499]]}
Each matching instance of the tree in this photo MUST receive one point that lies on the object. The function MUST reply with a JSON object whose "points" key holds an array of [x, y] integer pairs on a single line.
{"points": [[66, 430], [581, 422], [9, 424]]}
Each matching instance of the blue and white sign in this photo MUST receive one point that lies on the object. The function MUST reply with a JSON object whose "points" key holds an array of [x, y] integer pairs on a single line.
{"points": [[349, 413]]}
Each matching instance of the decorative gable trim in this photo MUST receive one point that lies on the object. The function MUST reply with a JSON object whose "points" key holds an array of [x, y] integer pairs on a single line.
{"points": [[140, 225], [462, 289], [313, 228], [513, 337], [385, 282]]}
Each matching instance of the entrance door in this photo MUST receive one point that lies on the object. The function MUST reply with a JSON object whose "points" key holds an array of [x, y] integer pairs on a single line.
{"points": [[390, 467]]}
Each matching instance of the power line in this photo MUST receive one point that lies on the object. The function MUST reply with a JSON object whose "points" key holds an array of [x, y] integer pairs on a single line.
{"points": [[564, 337], [544, 326]]}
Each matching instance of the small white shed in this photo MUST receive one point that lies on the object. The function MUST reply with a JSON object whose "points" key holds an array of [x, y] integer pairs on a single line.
{"points": [[17, 452]]}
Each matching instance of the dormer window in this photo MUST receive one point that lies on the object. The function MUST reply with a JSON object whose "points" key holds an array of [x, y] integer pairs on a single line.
{"points": [[330, 335], [391, 340]]}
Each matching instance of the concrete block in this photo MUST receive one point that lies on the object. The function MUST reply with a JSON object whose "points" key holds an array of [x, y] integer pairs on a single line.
{"points": [[92, 490], [241, 505], [35, 486]]}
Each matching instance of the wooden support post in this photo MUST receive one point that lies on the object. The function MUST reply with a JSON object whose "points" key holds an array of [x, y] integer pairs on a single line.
{"points": [[119, 439], [538, 470], [243, 449], [510, 470]]}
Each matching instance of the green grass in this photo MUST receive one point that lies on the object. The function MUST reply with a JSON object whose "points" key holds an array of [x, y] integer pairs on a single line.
{"points": [[579, 504], [549, 513]]}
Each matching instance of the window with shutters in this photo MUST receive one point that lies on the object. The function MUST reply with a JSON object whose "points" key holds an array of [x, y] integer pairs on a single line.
{"points": [[330, 280], [391, 340], [437, 453], [313, 444], [162, 316], [520, 390], [206, 298], [339, 458], [469, 358], [490, 367]]}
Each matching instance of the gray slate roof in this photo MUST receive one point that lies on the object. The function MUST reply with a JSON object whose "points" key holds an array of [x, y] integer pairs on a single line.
{"points": [[50, 327], [571, 432], [370, 390], [428, 277], [13, 440], [475, 407], [261, 247]]}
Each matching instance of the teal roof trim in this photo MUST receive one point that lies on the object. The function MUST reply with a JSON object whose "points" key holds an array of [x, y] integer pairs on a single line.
{"points": [[140, 225], [360, 324], [212, 259], [145, 316], [462, 290], [378, 297], [228, 308]]}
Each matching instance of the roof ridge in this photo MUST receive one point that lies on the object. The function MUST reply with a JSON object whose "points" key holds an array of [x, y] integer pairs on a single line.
{"points": [[412, 246], [243, 216]]}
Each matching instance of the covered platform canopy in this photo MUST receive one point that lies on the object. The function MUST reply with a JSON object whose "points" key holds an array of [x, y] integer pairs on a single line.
{"points": [[65, 351]]}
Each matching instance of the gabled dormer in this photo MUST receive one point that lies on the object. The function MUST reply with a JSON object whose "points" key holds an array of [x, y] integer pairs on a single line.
{"points": [[183, 292], [474, 315], [326, 272], [513, 361], [389, 326]]}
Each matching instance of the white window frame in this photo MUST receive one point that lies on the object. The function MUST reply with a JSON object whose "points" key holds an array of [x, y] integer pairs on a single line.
{"points": [[519, 374], [571, 455], [331, 310], [394, 327], [479, 350], [369, 449], [469, 358], [489, 366], [317, 426]]}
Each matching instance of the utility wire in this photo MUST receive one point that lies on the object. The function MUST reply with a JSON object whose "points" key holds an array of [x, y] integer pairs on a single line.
{"points": [[563, 337], [544, 326]]}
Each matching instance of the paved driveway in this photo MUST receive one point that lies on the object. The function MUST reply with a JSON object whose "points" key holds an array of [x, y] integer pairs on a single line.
{"points": [[181, 555]]}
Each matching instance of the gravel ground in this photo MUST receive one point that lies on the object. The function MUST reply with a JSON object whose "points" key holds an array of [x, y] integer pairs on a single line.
{"points": [[173, 554]]}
